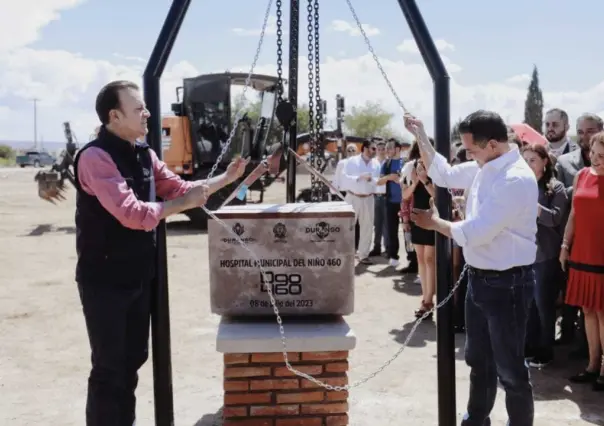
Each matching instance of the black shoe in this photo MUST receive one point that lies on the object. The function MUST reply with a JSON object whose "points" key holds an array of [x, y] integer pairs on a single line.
{"points": [[598, 385], [366, 261], [411, 269], [540, 361], [375, 252], [585, 377]]}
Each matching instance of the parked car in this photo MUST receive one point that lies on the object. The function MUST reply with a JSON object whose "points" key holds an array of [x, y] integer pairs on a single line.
{"points": [[35, 159]]}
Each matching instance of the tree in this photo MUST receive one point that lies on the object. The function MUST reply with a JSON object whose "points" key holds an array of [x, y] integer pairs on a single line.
{"points": [[533, 107], [369, 120]]}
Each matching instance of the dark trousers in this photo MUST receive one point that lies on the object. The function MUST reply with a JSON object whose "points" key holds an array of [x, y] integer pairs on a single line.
{"points": [[117, 319], [542, 323], [379, 223], [357, 233], [497, 309], [392, 225]]}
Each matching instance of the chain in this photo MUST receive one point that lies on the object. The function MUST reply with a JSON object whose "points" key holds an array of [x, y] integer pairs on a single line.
{"points": [[317, 185], [279, 52], [255, 257], [247, 83], [312, 139], [379, 65]]}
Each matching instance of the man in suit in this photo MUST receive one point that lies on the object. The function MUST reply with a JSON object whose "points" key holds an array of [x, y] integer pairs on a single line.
{"points": [[556, 131], [567, 166]]}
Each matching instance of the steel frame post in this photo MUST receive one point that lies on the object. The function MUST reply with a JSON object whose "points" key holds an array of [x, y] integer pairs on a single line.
{"points": [[447, 413], [160, 305]]}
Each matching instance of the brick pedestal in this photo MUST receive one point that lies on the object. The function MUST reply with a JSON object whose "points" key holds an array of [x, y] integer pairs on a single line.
{"points": [[259, 390]]}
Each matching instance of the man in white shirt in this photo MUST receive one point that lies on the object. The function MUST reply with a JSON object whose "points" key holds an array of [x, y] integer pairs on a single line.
{"points": [[359, 179], [351, 150], [498, 238]]}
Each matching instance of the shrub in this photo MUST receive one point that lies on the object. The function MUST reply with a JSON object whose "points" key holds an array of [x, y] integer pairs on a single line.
{"points": [[6, 152]]}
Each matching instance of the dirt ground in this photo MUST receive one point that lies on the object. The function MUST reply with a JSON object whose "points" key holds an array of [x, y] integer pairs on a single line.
{"points": [[44, 354]]}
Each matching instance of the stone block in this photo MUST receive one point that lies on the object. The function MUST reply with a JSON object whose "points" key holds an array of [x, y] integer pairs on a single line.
{"points": [[306, 250]]}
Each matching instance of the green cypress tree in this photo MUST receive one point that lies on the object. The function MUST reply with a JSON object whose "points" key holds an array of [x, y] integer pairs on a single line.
{"points": [[533, 106]]}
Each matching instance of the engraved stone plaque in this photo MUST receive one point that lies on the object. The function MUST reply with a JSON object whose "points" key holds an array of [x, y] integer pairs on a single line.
{"points": [[307, 252]]}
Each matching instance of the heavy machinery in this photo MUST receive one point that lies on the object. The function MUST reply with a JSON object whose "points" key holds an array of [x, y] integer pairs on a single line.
{"points": [[193, 138], [194, 135]]}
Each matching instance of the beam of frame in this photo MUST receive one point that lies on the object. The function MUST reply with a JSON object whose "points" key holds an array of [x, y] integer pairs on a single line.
{"points": [[447, 413], [160, 306]]}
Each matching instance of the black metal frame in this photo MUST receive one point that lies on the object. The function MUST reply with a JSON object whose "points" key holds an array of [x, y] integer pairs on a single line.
{"points": [[160, 314]]}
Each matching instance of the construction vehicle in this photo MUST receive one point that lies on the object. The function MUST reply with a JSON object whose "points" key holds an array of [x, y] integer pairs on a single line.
{"points": [[193, 138]]}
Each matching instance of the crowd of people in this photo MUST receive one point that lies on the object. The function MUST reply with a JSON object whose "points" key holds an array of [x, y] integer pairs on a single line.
{"points": [[387, 179]]}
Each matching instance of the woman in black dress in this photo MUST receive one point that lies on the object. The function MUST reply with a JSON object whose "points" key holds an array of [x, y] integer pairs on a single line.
{"points": [[418, 186]]}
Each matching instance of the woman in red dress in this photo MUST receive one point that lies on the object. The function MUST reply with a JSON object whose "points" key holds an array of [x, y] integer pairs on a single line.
{"points": [[582, 254]]}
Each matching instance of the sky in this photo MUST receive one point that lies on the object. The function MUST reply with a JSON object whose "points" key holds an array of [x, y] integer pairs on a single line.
{"points": [[62, 52]]}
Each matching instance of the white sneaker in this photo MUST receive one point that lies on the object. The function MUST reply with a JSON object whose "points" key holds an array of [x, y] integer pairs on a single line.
{"points": [[394, 262]]}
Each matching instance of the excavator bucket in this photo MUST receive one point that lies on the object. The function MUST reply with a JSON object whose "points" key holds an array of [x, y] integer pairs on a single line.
{"points": [[50, 186]]}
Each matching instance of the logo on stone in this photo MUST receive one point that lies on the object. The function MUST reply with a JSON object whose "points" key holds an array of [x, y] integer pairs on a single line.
{"points": [[238, 229], [280, 232], [322, 230]]}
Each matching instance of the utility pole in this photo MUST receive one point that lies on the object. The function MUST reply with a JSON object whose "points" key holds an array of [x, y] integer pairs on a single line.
{"points": [[35, 101]]}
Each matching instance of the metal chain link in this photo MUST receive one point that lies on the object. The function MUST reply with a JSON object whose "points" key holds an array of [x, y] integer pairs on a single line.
{"points": [[227, 144], [279, 52], [379, 65], [255, 257], [311, 101], [317, 185]]}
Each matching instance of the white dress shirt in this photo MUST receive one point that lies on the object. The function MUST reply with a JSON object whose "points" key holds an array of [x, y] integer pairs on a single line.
{"points": [[337, 176], [355, 167], [500, 226]]}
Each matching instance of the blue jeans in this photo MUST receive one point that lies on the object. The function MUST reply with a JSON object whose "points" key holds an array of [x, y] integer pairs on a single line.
{"points": [[497, 310], [379, 223], [542, 322]]}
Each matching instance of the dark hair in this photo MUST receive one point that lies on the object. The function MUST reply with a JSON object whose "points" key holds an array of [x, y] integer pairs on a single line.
{"points": [[108, 98], [549, 174], [462, 155], [366, 144], [414, 151], [563, 114], [593, 118], [394, 141], [484, 126]]}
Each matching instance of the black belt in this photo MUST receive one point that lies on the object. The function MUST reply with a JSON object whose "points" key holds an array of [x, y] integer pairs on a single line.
{"points": [[584, 267], [492, 272]]}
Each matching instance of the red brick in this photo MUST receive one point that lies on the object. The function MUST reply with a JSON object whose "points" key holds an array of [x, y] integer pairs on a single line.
{"points": [[336, 367], [230, 359], [336, 395], [247, 371], [333, 381], [236, 385], [249, 422], [274, 410], [234, 412], [336, 420], [306, 421], [336, 408], [275, 357], [247, 398], [312, 370], [325, 356], [271, 384], [299, 397]]}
